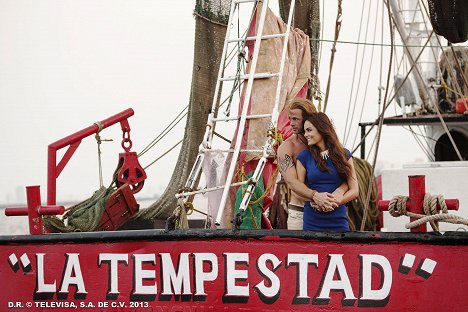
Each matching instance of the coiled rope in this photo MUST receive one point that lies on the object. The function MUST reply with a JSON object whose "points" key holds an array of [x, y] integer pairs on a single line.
{"points": [[397, 208], [357, 206]]}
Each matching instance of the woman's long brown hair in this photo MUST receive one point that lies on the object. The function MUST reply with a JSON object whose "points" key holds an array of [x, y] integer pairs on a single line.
{"points": [[336, 150]]}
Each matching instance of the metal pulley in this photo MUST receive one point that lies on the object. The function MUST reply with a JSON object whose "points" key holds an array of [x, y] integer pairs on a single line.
{"points": [[129, 170]]}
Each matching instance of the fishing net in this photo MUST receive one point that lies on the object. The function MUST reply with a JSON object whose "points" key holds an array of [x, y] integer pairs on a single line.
{"points": [[82, 217], [214, 10], [211, 18], [449, 18]]}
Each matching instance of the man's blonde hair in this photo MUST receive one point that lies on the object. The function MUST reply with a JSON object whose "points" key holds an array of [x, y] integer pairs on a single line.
{"points": [[305, 105]]}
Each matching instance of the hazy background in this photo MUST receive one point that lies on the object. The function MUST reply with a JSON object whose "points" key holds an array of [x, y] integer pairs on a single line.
{"points": [[66, 64]]}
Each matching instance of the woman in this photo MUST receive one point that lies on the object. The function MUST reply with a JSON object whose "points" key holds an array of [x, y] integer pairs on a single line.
{"points": [[323, 167]]}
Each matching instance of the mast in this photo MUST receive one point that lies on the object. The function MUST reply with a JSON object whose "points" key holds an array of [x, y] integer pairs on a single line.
{"points": [[412, 42]]}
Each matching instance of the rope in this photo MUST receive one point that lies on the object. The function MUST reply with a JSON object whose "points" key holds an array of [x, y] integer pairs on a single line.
{"points": [[278, 137], [190, 209], [99, 141], [397, 208], [356, 207], [181, 221], [365, 93], [169, 127], [241, 60], [346, 133], [380, 44], [82, 217], [196, 14], [332, 58], [164, 154], [380, 124], [387, 103]]}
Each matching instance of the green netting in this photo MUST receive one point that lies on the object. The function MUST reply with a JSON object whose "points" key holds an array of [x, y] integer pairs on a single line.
{"points": [[252, 217], [82, 217]]}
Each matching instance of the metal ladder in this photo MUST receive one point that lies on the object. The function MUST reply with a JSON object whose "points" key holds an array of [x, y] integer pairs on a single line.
{"points": [[206, 145]]}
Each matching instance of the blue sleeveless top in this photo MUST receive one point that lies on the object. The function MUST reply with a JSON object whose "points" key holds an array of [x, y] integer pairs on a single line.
{"points": [[314, 220]]}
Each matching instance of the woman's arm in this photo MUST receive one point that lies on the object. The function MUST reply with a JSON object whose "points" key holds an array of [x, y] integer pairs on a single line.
{"points": [[353, 187], [339, 192], [323, 201]]}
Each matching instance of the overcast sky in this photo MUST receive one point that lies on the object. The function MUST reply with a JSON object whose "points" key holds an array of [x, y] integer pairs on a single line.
{"points": [[66, 64]]}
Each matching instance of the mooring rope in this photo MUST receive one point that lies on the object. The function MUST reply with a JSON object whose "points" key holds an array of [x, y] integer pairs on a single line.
{"points": [[397, 208]]}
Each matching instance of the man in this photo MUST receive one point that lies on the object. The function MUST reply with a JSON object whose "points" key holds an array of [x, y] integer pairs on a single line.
{"points": [[287, 153]]}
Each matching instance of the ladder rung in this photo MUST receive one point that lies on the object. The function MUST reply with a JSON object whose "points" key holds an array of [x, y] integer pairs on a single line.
{"points": [[256, 76], [244, 1], [239, 117], [255, 38], [207, 190], [230, 150]]}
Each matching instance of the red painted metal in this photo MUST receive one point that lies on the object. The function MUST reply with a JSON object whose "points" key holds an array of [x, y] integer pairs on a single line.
{"points": [[35, 211], [417, 190], [73, 141], [129, 171], [460, 105], [232, 274], [120, 207]]}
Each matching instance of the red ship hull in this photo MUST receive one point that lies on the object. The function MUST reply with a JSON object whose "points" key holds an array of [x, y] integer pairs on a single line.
{"points": [[200, 270]]}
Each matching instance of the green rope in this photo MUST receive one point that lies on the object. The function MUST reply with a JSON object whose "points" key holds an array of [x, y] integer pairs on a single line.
{"points": [[252, 216], [82, 217]]}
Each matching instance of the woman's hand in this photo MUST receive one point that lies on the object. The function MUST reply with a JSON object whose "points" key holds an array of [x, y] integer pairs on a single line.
{"points": [[325, 202]]}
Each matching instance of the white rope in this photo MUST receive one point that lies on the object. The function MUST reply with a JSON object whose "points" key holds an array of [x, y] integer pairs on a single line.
{"points": [[99, 141], [397, 208]]}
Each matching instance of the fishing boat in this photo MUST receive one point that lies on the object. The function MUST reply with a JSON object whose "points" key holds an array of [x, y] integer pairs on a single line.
{"points": [[107, 253]]}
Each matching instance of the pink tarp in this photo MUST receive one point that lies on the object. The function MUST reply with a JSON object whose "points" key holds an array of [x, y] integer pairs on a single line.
{"points": [[296, 77]]}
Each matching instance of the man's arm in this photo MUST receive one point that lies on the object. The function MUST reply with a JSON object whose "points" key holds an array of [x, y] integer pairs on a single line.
{"points": [[288, 171]]}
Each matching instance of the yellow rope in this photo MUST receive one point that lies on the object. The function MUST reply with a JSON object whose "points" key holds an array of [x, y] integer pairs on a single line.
{"points": [[189, 208], [462, 96], [447, 88]]}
